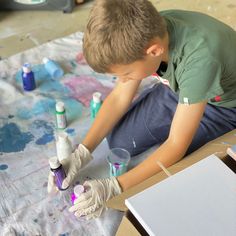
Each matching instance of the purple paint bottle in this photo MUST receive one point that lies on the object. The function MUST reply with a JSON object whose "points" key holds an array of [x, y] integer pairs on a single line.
{"points": [[58, 171], [28, 78]]}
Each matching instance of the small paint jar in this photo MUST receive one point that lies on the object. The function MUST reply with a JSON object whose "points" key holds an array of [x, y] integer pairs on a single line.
{"points": [[78, 190], [58, 171], [63, 145], [95, 104], [118, 160], [53, 69], [28, 78], [60, 115]]}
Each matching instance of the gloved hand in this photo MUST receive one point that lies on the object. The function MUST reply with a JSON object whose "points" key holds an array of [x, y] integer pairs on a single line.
{"points": [[91, 203], [72, 165]]}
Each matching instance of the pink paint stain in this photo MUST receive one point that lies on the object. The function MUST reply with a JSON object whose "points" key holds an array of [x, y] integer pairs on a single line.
{"points": [[83, 87], [80, 59]]}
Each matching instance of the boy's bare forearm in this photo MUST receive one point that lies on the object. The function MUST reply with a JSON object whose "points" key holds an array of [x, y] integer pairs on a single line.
{"points": [[109, 114], [112, 110], [173, 149]]}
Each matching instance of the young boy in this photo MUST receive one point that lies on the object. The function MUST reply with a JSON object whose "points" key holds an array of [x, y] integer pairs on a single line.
{"points": [[194, 53]]}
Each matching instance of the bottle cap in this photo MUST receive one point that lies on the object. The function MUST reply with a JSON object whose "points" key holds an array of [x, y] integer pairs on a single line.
{"points": [[45, 60], [26, 68], [54, 162], [60, 106], [78, 189], [97, 97]]}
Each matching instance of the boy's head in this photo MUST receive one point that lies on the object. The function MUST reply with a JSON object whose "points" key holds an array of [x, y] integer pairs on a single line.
{"points": [[121, 33]]}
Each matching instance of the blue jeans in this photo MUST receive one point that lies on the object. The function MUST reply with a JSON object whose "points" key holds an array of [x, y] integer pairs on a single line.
{"points": [[149, 118]]}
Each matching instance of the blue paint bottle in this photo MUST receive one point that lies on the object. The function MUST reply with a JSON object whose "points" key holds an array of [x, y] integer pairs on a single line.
{"points": [[95, 105], [28, 78], [54, 70]]}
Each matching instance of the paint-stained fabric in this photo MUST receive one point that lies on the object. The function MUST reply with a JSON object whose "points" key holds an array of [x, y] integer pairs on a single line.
{"points": [[27, 140]]}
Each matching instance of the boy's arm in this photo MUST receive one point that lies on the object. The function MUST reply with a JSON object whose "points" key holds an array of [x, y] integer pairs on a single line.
{"points": [[113, 108], [183, 128]]}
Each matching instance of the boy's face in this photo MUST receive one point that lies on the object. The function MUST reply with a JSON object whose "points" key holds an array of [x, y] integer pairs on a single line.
{"points": [[137, 70]]}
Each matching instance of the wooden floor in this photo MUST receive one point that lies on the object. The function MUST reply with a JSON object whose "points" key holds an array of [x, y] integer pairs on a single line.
{"points": [[20, 30]]}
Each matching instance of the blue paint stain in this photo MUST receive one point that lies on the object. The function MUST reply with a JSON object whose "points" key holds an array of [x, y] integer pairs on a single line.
{"points": [[3, 167], [54, 86], [64, 234], [43, 106], [12, 139], [46, 138], [44, 82], [46, 129], [74, 109], [70, 131], [24, 114], [40, 107], [46, 85]]}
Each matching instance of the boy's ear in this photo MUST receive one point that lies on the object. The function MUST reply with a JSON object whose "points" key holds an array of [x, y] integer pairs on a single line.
{"points": [[155, 50]]}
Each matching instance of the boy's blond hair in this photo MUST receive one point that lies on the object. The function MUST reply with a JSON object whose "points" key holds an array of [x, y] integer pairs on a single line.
{"points": [[119, 31]]}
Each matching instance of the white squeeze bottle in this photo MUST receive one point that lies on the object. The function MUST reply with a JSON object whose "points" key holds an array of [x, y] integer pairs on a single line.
{"points": [[60, 115], [64, 146]]}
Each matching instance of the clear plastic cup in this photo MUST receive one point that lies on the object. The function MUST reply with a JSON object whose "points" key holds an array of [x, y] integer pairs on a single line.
{"points": [[118, 160]]}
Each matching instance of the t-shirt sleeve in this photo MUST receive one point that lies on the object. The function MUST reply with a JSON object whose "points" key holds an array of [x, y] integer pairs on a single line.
{"points": [[200, 80]]}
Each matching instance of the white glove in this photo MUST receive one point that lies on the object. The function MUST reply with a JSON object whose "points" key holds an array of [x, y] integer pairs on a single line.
{"points": [[97, 192], [72, 165]]}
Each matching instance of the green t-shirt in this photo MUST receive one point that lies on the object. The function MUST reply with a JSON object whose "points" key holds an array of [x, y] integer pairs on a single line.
{"points": [[202, 58]]}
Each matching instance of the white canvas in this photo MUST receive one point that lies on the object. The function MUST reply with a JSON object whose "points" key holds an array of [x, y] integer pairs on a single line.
{"points": [[200, 200]]}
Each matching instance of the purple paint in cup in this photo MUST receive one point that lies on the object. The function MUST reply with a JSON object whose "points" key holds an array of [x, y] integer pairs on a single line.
{"points": [[118, 160]]}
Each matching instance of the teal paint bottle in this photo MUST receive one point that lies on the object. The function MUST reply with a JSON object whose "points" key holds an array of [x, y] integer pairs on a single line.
{"points": [[95, 105]]}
